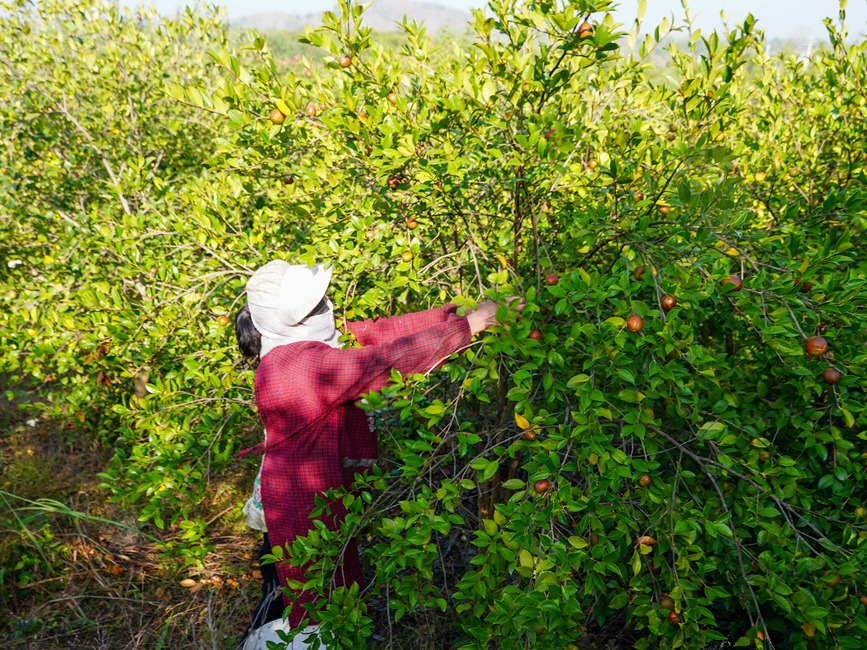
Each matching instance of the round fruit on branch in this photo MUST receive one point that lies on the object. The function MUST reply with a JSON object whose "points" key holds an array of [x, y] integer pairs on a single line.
{"points": [[733, 282], [541, 486], [638, 273], [674, 619], [645, 541], [393, 182], [411, 223], [551, 279], [635, 323], [833, 580], [668, 302], [585, 30], [816, 346], [644, 480], [407, 256], [667, 602], [832, 375], [536, 335], [344, 61], [276, 116]]}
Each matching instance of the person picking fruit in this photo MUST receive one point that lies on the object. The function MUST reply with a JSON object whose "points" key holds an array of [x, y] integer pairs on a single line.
{"points": [[306, 388]]}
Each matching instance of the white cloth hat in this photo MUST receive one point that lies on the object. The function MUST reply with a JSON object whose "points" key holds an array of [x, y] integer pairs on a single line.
{"points": [[282, 295]]}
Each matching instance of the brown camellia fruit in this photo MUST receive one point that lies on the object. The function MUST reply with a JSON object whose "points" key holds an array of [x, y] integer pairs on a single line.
{"points": [[644, 480], [223, 321], [634, 323], [663, 208], [312, 110], [668, 302], [764, 456], [393, 182], [392, 97], [407, 256], [585, 30], [807, 287], [833, 580], [760, 176], [831, 375], [536, 335], [639, 272], [344, 61], [674, 618], [288, 179], [594, 540], [639, 195], [541, 486], [816, 346], [276, 116], [736, 283], [645, 540], [551, 279], [863, 599], [370, 235], [411, 223], [529, 435], [667, 602]]}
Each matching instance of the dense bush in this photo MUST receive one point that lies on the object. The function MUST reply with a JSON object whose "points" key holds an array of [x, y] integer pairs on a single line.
{"points": [[555, 482]]}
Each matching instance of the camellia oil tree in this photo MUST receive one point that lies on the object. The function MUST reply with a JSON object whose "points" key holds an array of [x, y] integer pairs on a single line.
{"points": [[658, 451]]}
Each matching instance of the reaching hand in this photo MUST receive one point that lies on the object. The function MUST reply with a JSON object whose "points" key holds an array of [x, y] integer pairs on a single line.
{"points": [[486, 314]]}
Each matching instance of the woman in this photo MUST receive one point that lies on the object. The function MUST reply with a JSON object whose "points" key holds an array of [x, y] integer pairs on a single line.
{"points": [[306, 387]]}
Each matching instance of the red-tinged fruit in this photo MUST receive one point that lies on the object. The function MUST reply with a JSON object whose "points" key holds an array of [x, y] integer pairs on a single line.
{"points": [[667, 602], [807, 287], [594, 540], [541, 486], [646, 540], [831, 578], [644, 480], [312, 110], [392, 97], [529, 435], [536, 335], [276, 116], [585, 30], [344, 61], [668, 302], [551, 279], [674, 618], [411, 223], [393, 182], [635, 323], [863, 599], [816, 346], [832, 375], [733, 282], [663, 208], [223, 321], [638, 273]]}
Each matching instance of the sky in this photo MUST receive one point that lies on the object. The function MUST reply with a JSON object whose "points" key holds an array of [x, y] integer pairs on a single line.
{"points": [[780, 18]]}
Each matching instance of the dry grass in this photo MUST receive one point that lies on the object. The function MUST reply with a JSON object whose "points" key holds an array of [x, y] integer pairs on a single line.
{"points": [[72, 582]]}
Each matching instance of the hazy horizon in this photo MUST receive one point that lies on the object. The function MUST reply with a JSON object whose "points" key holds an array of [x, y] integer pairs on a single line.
{"points": [[779, 19]]}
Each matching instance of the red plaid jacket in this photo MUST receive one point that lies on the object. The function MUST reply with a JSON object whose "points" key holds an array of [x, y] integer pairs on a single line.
{"points": [[306, 393]]}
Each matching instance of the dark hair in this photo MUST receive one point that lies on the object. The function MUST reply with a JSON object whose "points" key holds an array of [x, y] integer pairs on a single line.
{"points": [[249, 338]]}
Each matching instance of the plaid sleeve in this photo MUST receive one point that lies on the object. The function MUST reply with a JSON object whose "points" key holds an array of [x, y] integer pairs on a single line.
{"points": [[331, 376], [380, 330]]}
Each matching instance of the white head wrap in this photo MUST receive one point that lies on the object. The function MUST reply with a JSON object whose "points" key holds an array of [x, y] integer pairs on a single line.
{"points": [[280, 295]]}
